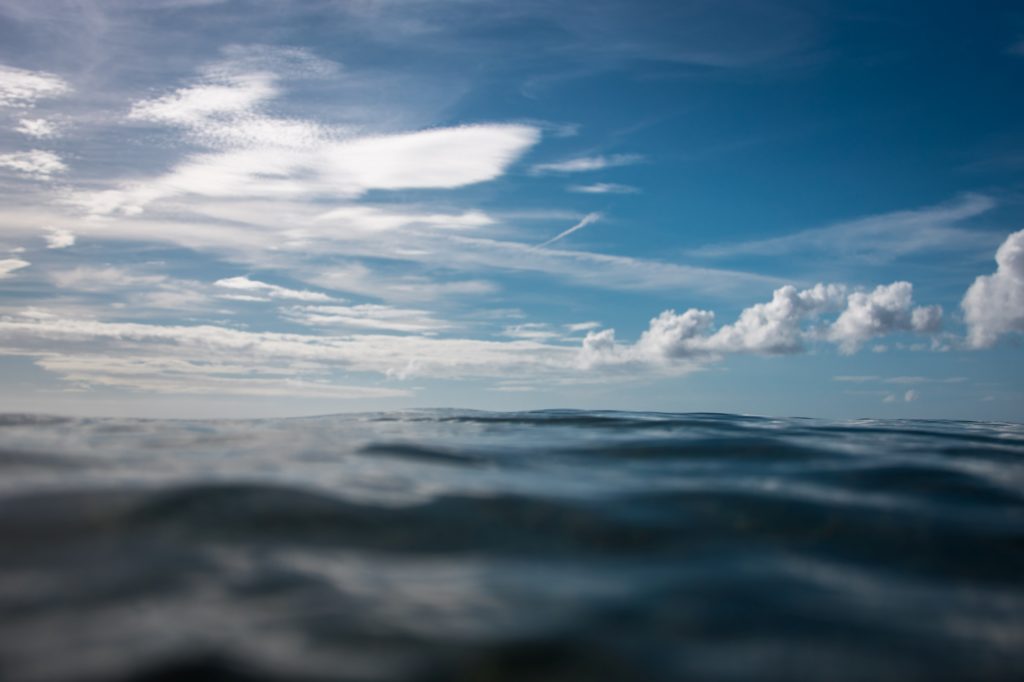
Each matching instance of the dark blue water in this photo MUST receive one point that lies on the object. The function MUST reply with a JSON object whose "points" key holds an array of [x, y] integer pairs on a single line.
{"points": [[452, 545]]}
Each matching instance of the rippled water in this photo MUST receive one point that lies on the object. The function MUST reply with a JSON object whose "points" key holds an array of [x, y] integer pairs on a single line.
{"points": [[558, 545]]}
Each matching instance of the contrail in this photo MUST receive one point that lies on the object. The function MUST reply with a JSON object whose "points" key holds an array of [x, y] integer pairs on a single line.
{"points": [[587, 220]]}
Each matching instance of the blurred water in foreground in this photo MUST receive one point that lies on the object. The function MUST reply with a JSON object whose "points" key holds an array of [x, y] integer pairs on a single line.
{"points": [[556, 545]]}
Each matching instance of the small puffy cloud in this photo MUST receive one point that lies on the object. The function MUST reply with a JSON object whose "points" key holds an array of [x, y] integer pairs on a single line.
{"points": [[21, 88], [588, 163], [603, 188], [583, 326], [886, 310], [910, 396], [994, 305], [60, 239], [9, 265], [37, 127], [600, 348], [926, 319], [670, 335], [35, 163], [262, 291]]}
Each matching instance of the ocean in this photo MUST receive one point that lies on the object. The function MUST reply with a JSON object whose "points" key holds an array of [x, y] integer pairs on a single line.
{"points": [[537, 546]]}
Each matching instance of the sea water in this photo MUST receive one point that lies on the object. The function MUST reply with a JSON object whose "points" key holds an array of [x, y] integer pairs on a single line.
{"points": [[553, 545]]}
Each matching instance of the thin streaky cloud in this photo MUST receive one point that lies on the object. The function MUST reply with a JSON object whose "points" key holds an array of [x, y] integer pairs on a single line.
{"points": [[588, 163], [875, 238], [603, 188], [10, 265], [588, 219]]}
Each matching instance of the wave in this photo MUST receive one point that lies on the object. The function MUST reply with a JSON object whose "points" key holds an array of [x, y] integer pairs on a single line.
{"points": [[454, 545]]}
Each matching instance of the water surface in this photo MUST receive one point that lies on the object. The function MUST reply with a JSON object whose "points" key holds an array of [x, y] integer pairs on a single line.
{"points": [[555, 545]]}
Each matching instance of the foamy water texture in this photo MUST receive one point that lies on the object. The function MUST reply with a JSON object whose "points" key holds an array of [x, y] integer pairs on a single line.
{"points": [[452, 545]]}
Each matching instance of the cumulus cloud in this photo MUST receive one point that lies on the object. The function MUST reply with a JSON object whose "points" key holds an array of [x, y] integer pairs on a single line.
{"points": [[588, 163], [777, 327], [887, 309], [21, 88], [774, 327], [994, 304], [35, 163], [60, 239], [262, 291], [9, 265]]}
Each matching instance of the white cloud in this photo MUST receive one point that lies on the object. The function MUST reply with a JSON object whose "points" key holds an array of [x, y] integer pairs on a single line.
{"points": [[442, 158], [876, 238], [60, 239], [588, 163], [300, 355], [537, 331], [196, 104], [36, 163], [887, 309], [603, 188], [772, 328], [263, 291], [994, 304], [9, 265], [366, 316], [96, 279], [37, 127], [588, 219], [21, 88], [224, 109], [370, 219], [583, 326]]}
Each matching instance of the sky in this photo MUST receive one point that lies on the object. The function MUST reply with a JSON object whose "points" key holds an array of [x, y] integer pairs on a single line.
{"points": [[247, 209]]}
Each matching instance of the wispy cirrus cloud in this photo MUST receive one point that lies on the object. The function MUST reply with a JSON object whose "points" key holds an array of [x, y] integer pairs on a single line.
{"points": [[878, 238], [588, 219], [366, 316], [263, 291], [603, 188], [587, 163]]}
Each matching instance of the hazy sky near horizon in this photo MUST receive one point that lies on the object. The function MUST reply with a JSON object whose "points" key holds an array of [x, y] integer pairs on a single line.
{"points": [[240, 208]]}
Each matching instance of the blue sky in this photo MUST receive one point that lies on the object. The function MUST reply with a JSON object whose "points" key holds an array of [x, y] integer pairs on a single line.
{"points": [[279, 208]]}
